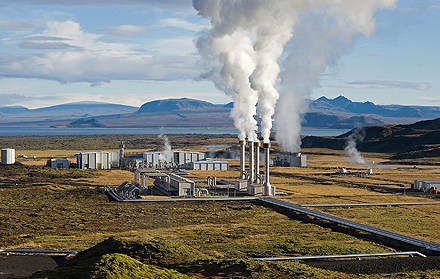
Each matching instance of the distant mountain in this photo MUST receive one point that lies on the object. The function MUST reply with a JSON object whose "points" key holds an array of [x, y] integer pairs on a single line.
{"points": [[342, 106], [13, 110], [338, 113], [83, 108], [78, 109], [184, 104]]}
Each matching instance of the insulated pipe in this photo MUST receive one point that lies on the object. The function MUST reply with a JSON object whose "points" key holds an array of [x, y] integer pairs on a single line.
{"points": [[242, 158], [266, 184], [257, 160], [251, 162]]}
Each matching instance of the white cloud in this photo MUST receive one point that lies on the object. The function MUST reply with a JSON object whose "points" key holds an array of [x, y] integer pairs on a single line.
{"points": [[83, 57], [175, 46], [429, 99], [182, 24], [15, 25], [10, 99], [391, 84], [158, 3], [124, 30]]}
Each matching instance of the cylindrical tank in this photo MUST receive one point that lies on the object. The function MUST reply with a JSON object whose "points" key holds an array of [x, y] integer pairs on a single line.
{"points": [[8, 156]]}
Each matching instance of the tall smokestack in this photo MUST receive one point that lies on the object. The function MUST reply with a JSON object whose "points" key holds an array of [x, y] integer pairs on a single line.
{"points": [[251, 162], [257, 161], [121, 154], [266, 147], [242, 158]]}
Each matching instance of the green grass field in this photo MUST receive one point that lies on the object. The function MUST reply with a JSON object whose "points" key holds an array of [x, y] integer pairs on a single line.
{"points": [[42, 208]]}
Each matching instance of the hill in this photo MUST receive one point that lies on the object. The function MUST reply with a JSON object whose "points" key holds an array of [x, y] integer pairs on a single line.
{"points": [[421, 139], [185, 104], [78, 109]]}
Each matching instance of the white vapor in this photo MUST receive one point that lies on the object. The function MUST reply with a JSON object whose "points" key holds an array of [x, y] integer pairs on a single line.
{"points": [[250, 39], [357, 135], [167, 152]]}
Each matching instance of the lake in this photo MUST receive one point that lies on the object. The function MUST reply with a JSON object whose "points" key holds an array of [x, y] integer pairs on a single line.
{"points": [[48, 131]]}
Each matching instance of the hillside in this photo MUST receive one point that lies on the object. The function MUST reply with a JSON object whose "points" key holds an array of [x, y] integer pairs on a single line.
{"points": [[421, 139]]}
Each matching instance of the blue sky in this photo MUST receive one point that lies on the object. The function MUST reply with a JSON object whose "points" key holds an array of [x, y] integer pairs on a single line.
{"points": [[132, 52]]}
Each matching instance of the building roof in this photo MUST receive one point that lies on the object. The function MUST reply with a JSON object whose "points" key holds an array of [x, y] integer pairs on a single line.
{"points": [[208, 161]]}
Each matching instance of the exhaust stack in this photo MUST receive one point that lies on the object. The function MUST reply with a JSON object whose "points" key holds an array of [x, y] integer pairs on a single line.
{"points": [[268, 190], [257, 162], [251, 162], [242, 159]]}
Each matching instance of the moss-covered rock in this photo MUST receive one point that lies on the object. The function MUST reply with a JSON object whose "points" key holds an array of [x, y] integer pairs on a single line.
{"points": [[156, 252], [119, 256], [120, 266]]}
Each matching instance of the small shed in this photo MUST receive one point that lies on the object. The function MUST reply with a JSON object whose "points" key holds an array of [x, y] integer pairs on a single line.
{"points": [[59, 163], [290, 160]]}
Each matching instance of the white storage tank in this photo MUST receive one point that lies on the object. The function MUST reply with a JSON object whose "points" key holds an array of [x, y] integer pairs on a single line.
{"points": [[8, 156]]}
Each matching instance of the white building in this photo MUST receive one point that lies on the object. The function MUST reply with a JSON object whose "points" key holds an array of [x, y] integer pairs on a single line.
{"points": [[427, 185], [172, 184], [8, 156], [97, 160], [179, 158], [59, 163], [290, 160], [207, 165]]}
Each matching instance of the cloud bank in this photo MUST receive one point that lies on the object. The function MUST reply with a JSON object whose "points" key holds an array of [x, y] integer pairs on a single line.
{"points": [[72, 55]]}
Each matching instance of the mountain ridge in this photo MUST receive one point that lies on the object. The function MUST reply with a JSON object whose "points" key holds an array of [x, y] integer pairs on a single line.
{"points": [[337, 113]]}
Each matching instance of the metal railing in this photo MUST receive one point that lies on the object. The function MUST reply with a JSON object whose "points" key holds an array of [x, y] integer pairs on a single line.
{"points": [[400, 237], [31, 251], [357, 256]]}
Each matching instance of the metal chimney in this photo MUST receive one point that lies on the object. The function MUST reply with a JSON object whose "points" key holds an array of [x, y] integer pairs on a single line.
{"points": [[242, 159], [251, 162], [121, 154], [257, 161], [266, 147]]}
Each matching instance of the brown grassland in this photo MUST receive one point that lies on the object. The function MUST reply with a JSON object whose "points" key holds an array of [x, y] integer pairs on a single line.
{"points": [[65, 209]]}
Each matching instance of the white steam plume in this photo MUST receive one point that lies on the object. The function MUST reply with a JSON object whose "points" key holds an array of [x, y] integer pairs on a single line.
{"points": [[167, 152], [236, 57], [357, 135], [242, 50]]}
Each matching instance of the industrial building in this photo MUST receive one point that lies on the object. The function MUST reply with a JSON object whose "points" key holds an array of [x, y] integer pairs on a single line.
{"points": [[172, 184], [427, 185], [207, 165], [290, 160], [59, 163], [178, 158], [8, 156], [97, 160]]}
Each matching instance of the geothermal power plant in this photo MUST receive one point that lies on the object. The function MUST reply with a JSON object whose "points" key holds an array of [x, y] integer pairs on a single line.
{"points": [[168, 174]]}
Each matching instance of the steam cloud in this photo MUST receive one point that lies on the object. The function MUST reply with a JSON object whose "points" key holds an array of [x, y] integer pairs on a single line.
{"points": [[167, 155], [250, 39], [357, 135]]}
